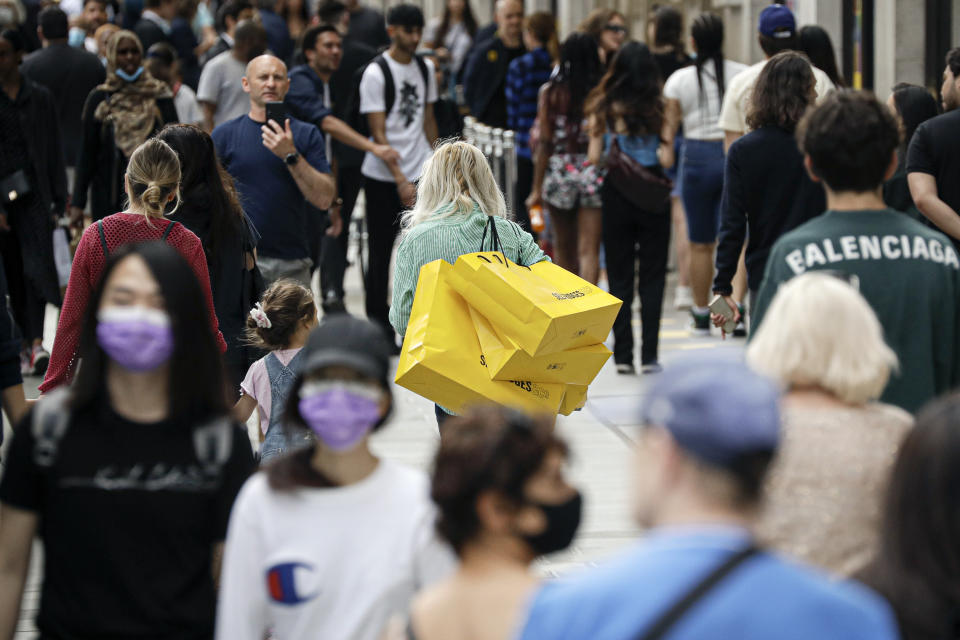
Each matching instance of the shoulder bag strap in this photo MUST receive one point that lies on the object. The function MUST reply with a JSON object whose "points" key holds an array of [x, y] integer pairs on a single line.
{"points": [[422, 65], [167, 231], [389, 90], [103, 239], [673, 615]]}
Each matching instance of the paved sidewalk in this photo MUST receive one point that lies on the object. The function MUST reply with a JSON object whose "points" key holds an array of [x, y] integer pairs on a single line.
{"points": [[600, 438]]}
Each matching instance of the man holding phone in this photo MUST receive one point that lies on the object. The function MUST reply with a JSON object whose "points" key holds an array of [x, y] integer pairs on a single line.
{"points": [[280, 166]]}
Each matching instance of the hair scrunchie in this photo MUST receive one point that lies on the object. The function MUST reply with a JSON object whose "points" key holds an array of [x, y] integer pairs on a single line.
{"points": [[260, 316]]}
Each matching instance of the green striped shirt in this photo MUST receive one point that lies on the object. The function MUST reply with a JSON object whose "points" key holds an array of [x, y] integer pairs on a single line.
{"points": [[448, 238]]}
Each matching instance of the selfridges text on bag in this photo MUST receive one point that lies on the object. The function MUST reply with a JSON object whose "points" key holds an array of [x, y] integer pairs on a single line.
{"points": [[543, 308], [441, 358], [505, 360]]}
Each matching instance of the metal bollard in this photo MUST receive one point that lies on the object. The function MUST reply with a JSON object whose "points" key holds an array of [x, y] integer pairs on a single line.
{"points": [[510, 158], [469, 130], [483, 141], [497, 155]]}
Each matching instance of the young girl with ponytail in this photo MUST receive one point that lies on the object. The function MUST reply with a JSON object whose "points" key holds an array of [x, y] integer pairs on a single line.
{"points": [[152, 183], [280, 324]]}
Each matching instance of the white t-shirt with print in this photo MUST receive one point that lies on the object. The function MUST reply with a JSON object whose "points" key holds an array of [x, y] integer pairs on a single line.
{"points": [[329, 563], [700, 116], [404, 124]]}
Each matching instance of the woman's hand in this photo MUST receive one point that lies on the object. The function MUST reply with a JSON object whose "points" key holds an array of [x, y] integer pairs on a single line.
{"points": [[535, 199], [666, 155], [76, 219], [407, 192]]}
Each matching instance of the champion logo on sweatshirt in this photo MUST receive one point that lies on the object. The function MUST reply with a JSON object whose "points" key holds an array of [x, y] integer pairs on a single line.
{"points": [[872, 247], [282, 582]]}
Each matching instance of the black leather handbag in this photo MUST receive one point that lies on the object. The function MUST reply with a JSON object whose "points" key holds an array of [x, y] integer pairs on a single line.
{"points": [[647, 189]]}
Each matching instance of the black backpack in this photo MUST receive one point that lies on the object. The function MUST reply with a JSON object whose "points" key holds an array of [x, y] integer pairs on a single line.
{"points": [[352, 116]]}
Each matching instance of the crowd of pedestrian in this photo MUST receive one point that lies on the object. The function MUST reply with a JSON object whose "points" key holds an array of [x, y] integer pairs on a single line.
{"points": [[205, 160]]}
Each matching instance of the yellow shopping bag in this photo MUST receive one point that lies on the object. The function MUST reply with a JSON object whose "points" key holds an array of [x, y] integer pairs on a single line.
{"points": [[441, 357], [543, 308], [574, 397], [507, 361]]}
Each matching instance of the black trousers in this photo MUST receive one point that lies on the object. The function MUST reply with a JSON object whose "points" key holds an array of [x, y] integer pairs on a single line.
{"points": [[333, 251], [522, 191], [383, 225], [636, 243], [28, 306]]}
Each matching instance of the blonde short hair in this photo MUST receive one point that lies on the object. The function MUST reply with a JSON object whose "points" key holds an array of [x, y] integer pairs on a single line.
{"points": [[820, 331], [456, 174], [153, 173]]}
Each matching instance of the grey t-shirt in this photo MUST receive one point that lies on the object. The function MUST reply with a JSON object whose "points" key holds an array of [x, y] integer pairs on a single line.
{"points": [[220, 84]]}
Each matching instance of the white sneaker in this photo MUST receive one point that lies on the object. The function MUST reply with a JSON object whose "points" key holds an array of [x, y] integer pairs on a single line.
{"points": [[683, 298]]}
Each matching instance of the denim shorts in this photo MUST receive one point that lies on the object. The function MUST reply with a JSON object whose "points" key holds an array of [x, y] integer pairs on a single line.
{"points": [[701, 187]]}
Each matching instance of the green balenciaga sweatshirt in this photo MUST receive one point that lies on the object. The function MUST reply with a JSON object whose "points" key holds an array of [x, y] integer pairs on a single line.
{"points": [[910, 275]]}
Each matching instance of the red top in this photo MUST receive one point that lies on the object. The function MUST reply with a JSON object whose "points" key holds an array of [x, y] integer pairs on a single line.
{"points": [[88, 264]]}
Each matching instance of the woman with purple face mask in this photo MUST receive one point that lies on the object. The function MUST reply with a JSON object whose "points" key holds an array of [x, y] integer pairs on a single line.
{"points": [[329, 541], [129, 474]]}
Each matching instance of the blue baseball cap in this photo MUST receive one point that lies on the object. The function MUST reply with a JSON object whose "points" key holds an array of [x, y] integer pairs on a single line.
{"points": [[716, 409], [776, 21]]}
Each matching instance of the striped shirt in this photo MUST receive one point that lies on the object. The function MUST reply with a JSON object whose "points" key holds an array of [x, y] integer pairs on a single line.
{"points": [[448, 237], [525, 76]]}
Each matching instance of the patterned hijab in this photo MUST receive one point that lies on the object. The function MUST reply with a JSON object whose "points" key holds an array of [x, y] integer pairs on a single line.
{"points": [[131, 107]]}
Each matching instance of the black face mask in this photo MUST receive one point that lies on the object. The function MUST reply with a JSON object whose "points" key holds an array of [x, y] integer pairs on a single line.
{"points": [[563, 520]]}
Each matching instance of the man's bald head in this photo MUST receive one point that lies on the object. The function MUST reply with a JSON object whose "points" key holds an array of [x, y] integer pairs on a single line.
{"points": [[509, 17], [502, 6], [265, 59], [266, 81]]}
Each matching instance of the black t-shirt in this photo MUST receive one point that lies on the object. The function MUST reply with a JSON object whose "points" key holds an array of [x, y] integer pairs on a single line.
{"points": [[495, 114], [669, 62], [934, 149], [128, 518]]}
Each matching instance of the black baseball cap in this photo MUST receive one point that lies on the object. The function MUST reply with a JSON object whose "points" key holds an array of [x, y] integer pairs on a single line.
{"points": [[343, 340]]}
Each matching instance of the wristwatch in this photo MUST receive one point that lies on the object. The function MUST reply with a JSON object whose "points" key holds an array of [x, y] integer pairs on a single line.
{"points": [[291, 158]]}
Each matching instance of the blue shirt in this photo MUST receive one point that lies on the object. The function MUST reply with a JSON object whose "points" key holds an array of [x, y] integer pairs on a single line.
{"points": [[268, 193], [643, 149], [305, 96], [525, 76], [765, 597]]}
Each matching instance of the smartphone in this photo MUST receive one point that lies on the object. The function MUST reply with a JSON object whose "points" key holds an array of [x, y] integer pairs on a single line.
{"points": [[720, 306], [277, 111]]}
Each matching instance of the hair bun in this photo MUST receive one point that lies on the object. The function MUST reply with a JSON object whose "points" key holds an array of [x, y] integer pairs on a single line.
{"points": [[153, 197]]}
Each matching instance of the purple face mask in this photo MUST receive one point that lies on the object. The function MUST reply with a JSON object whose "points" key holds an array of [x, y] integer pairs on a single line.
{"points": [[136, 338], [340, 413]]}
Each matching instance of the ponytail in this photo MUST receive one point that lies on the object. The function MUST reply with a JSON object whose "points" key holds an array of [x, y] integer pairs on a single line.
{"points": [[707, 32]]}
